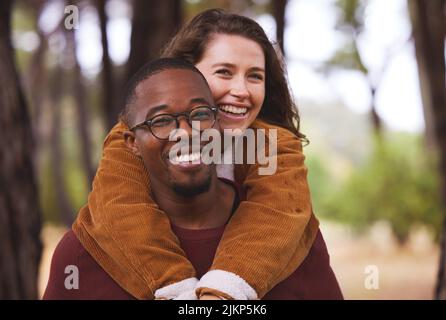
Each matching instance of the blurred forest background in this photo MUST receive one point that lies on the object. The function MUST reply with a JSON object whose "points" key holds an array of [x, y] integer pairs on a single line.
{"points": [[369, 81]]}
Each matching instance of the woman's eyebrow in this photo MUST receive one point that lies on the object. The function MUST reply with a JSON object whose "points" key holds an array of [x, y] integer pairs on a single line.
{"points": [[233, 66], [258, 69], [224, 64]]}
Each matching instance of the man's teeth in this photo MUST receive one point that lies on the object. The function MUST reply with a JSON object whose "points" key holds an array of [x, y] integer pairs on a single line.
{"points": [[187, 157], [233, 109]]}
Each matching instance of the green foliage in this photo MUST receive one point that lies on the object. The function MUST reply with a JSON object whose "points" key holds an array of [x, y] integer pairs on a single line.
{"points": [[351, 14], [350, 23], [47, 192], [75, 181], [74, 174], [75, 186], [318, 179], [398, 183], [23, 17]]}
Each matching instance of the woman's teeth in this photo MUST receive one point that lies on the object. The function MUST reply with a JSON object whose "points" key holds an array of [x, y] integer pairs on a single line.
{"points": [[233, 109], [184, 158]]}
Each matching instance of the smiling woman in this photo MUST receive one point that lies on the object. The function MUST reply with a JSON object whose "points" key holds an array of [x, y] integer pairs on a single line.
{"points": [[234, 52], [234, 67]]}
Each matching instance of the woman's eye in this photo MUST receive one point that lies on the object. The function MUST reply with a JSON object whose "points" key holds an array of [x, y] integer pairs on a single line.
{"points": [[224, 72], [257, 76]]}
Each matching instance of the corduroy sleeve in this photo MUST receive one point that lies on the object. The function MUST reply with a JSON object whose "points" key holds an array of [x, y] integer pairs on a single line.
{"points": [[125, 231], [271, 232]]}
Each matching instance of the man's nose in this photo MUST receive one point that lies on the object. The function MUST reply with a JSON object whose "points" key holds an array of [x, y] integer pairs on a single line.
{"points": [[183, 129], [183, 123]]}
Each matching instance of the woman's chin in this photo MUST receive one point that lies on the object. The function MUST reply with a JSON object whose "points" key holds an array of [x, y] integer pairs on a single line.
{"points": [[234, 129], [238, 125]]}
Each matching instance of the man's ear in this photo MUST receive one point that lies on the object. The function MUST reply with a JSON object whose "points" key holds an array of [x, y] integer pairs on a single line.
{"points": [[130, 141]]}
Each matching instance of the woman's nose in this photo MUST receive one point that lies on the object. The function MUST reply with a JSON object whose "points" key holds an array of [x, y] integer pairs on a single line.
{"points": [[239, 89]]}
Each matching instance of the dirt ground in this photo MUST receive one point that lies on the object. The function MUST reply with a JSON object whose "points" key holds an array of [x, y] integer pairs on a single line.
{"points": [[398, 273], [407, 272]]}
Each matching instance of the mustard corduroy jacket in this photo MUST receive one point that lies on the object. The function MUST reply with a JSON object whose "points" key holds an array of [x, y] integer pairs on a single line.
{"points": [[267, 238]]}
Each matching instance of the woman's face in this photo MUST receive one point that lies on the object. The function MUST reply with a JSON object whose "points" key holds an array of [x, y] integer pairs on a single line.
{"points": [[234, 67]]}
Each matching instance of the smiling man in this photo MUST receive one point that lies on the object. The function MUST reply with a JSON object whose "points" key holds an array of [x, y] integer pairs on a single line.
{"points": [[164, 98], [164, 105]]}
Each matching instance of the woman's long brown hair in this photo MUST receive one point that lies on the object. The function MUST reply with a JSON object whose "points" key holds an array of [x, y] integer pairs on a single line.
{"points": [[190, 43]]}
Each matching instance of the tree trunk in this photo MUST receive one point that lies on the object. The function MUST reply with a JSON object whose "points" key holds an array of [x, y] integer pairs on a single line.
{"points": [[374, 116], [376, 120], [82, 110], [20, 245], [110, 107], [62, 200], [153, 24], [428, 30], [279, 15], [177, 15], [420, 29], [35, 84]]}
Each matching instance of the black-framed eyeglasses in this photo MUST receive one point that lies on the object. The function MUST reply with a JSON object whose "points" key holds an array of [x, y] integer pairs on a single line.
{"points": [[162, 125]]}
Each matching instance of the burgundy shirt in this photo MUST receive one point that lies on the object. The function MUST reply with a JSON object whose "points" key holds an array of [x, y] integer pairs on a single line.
{"points": [[313, 279]]}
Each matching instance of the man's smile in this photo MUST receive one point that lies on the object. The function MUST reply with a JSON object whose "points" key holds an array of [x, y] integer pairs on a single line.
{"points": [[187, 161]]}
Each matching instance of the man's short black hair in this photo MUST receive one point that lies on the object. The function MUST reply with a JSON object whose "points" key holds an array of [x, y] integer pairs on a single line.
{"points": [[146, 71]]}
